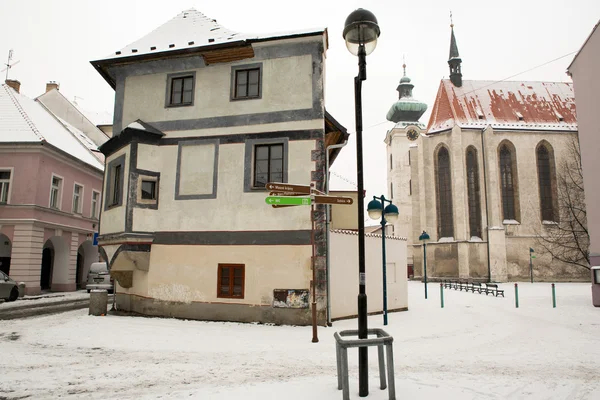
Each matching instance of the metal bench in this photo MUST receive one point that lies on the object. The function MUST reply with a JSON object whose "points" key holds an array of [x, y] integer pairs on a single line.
{"points": [[493, 289], [341, 353], [475, 286]]}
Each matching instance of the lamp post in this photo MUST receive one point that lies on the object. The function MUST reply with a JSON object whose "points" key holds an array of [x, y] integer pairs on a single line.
{"points": [[424, 238], [360, 33], [376, 210]]}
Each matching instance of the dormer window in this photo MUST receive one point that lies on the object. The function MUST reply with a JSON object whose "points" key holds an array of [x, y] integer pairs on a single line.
{"points": [[519, 115]]}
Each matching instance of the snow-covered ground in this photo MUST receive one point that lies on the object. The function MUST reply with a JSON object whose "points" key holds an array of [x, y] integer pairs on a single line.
{"points": [[477, 347]]}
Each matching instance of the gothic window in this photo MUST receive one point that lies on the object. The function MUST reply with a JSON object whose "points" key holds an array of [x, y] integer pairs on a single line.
{"points": [[545, 171], [507, 183], [474, 197], [444, 190]]}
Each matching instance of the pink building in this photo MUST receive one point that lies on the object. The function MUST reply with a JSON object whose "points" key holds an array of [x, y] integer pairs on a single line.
{"points": [[50, 195]]}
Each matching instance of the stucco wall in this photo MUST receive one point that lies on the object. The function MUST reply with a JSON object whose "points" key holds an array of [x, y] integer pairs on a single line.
{"points": [[584, 71], [113, 219], [344, 274]]}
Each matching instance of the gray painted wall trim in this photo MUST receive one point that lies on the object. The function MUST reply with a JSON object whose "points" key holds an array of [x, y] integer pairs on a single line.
{"points": [[212, 195], [109, 172], [249, 158], [132, 188], [235, 238], [119, 102]]}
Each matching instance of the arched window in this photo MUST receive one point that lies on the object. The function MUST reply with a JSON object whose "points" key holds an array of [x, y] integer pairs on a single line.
{"points": [[507, 183], [545, 172], [474, 197], [444, 190]]}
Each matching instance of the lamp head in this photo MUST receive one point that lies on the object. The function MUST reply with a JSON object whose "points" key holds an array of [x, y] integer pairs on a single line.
{"points": [[361, 29], [424, 237], [374, 208], [391, 213]]}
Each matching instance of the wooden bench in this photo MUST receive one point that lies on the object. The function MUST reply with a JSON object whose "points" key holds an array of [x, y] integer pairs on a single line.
{"points": [[493, 289], [475, 286]]}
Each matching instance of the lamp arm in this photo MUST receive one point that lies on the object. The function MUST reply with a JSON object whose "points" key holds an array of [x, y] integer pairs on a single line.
{"points": [[362, 63]]}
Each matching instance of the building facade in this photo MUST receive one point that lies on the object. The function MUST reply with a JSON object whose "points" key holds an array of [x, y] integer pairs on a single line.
{"points": [[50, 196], [204, 118], [584, 70], [483, 177]]}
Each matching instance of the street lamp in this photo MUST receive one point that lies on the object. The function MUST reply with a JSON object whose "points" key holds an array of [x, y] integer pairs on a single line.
{"points": [[360, 33], [424, 238], [376, 210]]}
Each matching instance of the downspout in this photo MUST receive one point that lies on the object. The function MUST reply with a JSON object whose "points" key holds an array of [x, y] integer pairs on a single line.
{"points": [[327, 207], [487, 214]]}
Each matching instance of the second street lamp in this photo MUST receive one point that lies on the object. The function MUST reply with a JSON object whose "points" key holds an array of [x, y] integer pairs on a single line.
{"points": [[424, 238], [360, 33], [377, 210]]}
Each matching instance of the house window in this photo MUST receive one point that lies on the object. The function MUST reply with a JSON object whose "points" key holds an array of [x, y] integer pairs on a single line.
{"points": [[115, 193], [148, 190], [77, 195], [545, 175], [180, 90], [473, 193], [4, 185], [444, 189], [95, 199], [268, 164], [231, 281], [55, 192], [507, 183], [247, 83]]}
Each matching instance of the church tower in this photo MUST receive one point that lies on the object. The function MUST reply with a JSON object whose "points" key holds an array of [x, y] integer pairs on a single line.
{"points": [[454, 60], [405, 113]]}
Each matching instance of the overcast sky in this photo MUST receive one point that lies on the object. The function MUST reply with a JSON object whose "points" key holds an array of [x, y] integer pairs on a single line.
{"points": [[55, 40]]}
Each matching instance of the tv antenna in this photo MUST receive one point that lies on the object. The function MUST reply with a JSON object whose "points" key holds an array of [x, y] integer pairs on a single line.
{"points": [[8, 64]]}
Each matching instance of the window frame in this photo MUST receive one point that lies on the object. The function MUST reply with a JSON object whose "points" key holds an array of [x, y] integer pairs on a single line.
{"points": [[169, 88], [59, 192], [473, 193], [94, 209], [9, 182], [79, 209], [269, 173], [249, 165], [509, 194], [445, 215], [547, 193], [109, 197], [232, 267], [234, 74]]}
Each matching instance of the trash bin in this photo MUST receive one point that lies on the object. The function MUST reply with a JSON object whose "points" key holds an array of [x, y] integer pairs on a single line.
{"points": [[596, 286], [98, 302], [21, 286]]}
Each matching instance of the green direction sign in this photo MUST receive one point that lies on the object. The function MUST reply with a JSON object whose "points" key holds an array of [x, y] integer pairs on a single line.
{"points": [[288, 201]]}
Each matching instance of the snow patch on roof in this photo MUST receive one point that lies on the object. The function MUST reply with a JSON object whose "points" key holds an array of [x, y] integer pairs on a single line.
{"points": [[191, 29], [23, 120]]}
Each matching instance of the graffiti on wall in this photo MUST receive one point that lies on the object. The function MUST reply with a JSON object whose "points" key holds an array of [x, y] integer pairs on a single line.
{"points": [[290, 298]]}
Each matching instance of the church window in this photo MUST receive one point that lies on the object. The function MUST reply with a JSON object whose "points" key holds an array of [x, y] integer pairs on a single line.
{"points": [[474, 197], [508, 183], [545, 175], [444, 190]]}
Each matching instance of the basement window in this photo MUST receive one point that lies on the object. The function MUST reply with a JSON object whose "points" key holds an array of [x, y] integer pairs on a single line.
{"points": [[231, 281]]}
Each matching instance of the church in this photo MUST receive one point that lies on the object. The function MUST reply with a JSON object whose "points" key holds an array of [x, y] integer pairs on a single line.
{"points": [[481, 177]]}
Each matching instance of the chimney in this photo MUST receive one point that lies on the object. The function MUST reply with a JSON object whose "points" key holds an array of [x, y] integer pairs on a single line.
{"points": [[51, 85], [15, 84]]}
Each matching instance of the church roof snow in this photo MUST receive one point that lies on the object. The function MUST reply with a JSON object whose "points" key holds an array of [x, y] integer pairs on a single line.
{"points": [[504, 105]]}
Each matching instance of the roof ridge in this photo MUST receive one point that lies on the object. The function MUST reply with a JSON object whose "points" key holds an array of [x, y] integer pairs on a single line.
{"points": [[25, 116]]}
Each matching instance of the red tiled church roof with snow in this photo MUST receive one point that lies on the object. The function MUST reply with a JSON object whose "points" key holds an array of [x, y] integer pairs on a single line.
{"points": [[510, 105]]}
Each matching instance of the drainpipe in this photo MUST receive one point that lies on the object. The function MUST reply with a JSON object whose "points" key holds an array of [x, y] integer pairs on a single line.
{"points": [[487, 214], [327, 207]]}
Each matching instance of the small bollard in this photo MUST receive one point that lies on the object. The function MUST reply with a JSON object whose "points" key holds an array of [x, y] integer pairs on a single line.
{"points": [[21, 287], [98, 302], [442, 294], [553, 297], [516, 295]]}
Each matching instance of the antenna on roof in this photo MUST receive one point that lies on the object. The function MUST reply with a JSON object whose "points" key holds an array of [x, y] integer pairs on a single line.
{"points": [[451, 23], [8, 64]]}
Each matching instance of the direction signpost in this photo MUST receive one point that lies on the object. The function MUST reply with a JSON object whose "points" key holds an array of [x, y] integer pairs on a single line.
{"points": [[288, 201], [287, 188], [333, 200]]}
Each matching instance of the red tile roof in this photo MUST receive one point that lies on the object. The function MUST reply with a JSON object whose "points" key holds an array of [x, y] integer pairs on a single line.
{"points": [[504, 105]]}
